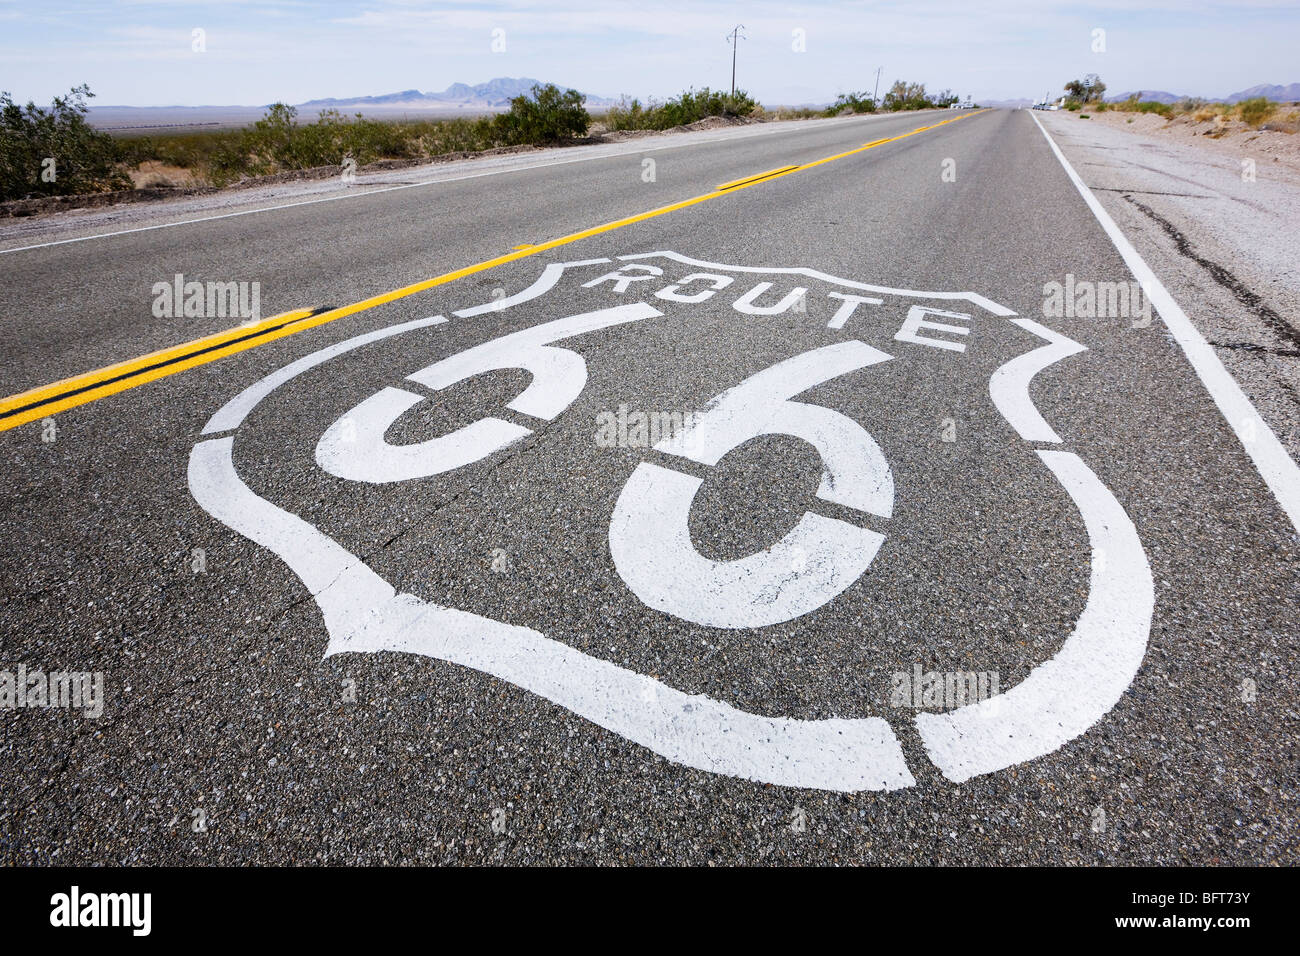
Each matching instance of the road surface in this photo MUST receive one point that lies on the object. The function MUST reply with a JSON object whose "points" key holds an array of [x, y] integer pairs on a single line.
{"points": [[742, 499]]}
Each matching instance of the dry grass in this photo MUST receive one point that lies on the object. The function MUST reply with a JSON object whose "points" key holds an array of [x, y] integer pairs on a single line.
{"points": [[1257, 113], [153, 174], [786, 113]]}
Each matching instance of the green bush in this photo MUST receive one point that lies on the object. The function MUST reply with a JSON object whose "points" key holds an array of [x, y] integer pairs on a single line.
{"points": [[1255, 110], [689, 107], [1088, 90], [853, 102], [547, 115], [55, 152], [788, 113], [630, 114], [278, 142], [275, 143], [1133, 105], [693, 106], [912, 96]]}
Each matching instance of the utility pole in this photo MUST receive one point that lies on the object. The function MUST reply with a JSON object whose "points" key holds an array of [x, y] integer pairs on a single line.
{"points": [[734, 38], [875, 96]]}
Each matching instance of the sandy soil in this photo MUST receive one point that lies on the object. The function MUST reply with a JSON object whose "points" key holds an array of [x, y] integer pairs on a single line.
{"points": [[154, 173], [1228, 137]]}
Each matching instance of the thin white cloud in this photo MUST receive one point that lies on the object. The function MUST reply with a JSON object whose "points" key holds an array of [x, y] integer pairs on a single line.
{"points": [[137, 51]]}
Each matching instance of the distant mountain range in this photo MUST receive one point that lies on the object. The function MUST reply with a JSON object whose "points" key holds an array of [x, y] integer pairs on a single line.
{"points": [[1154, 96], [1266, 90], [1273, 92], [497, 94], [462, 98], [459, 98], [494, 94], [1270, 91]]}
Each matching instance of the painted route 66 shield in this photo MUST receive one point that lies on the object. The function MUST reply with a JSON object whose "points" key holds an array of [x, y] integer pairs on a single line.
{"points": [[554, 488]]}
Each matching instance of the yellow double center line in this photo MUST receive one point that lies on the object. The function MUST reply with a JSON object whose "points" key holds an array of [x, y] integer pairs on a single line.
{"points": [[91, 386]]}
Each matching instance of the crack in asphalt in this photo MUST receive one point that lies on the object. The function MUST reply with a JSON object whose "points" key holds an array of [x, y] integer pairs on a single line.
{"points": [[1149, 192], [1255, 347], [1252, 300]]}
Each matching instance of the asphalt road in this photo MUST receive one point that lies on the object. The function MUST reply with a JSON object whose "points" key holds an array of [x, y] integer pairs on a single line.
{"points": [[405, 602]]}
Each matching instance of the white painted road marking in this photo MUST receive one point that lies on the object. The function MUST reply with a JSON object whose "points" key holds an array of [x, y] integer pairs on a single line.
{"points": [[851, 302], [363, 613], [233, 413], [649, 533], [354, 446], [1278, 469], [916, 321], [544, 283], [1063, 697], [1009, 386], [974, 298], [650, 543]]}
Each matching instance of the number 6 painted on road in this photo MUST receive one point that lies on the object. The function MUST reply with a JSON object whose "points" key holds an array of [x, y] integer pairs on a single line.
{"points": [[649, 535], [354, 446]]}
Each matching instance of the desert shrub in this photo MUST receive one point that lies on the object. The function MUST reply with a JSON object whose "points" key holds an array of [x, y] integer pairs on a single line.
{"points": [[1134, 105], [630, 114], [913, 96], [689, 107], [788, 113], [189, 149], [55, 152], [1255, 110], [695, 105], [278, 142], [546, 115], [906, 96], [853, 102]]}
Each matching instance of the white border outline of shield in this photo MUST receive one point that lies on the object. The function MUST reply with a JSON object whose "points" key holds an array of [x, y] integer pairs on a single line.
{"points": [[362, 613]]}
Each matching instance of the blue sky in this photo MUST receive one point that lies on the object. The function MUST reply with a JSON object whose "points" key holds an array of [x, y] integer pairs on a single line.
{"points": [[139, 52]]}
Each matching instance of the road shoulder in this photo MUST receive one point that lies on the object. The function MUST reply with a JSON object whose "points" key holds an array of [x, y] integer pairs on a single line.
{"points": [[1223, 244]]}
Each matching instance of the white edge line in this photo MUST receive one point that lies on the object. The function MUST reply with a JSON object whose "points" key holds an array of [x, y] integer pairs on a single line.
{"points": [[1275, 466]]}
